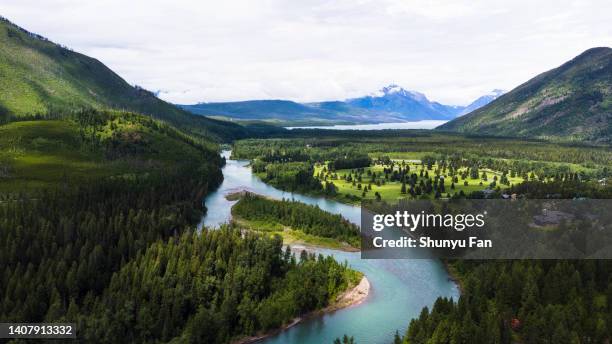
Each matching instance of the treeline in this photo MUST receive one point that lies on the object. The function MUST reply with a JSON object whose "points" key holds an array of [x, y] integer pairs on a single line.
{"points": [[522, 301], [291, 176], [306, 218], [349, 162], [282, 151], [490, 152], [563, 189]]}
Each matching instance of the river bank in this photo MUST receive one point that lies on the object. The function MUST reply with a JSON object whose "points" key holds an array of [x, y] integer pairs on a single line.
{"points": [[386, 310], [349, 298], [453, 275]]}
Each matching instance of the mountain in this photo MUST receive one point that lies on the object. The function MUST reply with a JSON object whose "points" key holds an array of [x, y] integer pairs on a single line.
{"points": [[254, 109], [482, 101], [39, 77], [390, 104], [408, 105], [570, 102]]}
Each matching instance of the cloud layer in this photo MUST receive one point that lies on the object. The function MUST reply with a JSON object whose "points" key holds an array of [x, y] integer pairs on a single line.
{"points": [[193, 50]]}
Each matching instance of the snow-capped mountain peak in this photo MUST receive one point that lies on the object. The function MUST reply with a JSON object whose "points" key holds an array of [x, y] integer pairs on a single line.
{"points": [[394, 89]]}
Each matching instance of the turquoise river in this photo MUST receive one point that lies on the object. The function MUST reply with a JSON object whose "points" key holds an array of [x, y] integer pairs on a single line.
{"points": [[400, 288]]}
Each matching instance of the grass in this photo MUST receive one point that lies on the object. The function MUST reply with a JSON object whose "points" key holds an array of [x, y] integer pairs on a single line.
{"points": [[291, 236], [294, 237], [391, 191]]}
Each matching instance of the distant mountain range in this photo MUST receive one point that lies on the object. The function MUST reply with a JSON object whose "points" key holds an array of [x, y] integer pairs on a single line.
{"points": [[390, 104], [571, 102]]}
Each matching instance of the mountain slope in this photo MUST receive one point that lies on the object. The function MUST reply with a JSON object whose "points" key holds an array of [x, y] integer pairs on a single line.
{"points": [[572, 102], [390, 104], [39, 77]]}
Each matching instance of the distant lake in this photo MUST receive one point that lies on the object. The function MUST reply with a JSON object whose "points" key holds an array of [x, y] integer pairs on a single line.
{"points": [[428, 124]]}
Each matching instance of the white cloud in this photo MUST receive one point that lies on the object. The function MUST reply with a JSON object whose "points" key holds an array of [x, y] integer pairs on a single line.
{"points": [[191, 50]]}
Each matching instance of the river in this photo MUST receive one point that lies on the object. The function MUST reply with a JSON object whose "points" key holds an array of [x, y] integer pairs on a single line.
{"points": [[400, 288]]}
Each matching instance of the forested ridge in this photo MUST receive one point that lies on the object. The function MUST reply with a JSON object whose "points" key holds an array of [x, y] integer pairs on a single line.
{"points": [[62, 240], [570, 102], [323, 145]]}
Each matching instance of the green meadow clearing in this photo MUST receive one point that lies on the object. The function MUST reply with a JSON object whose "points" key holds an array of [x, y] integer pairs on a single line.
{"points": [[373, 177]]}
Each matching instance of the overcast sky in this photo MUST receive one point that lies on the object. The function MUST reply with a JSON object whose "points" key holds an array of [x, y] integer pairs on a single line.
{"points": [[194, 50]]}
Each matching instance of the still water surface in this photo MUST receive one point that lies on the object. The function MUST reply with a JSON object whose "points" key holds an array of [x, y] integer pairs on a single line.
{"points": [[425, 124], [399, 288]]}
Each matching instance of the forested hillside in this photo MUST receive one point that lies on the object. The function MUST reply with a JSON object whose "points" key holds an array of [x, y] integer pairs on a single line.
{"points": [[39, 77], [97, 218], [571, 102]]}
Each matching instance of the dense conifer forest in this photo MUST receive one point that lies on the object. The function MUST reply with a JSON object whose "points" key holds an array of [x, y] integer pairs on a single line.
{"points": [[522, 301], [104, 236]]}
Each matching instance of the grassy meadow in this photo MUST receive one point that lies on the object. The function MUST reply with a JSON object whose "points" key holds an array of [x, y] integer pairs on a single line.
{"points": [[392, 190]]}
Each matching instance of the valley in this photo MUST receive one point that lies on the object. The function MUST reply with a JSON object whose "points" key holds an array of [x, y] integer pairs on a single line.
{"points": [[310, 162], [101, 184], [141, 221], [388, 278]]}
